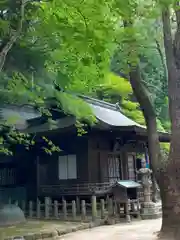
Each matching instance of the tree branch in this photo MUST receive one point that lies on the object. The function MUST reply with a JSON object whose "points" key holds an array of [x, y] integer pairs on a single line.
{"points": [[14, 36], [171, 50], [177, 13], [162, 57], [141, 92]]}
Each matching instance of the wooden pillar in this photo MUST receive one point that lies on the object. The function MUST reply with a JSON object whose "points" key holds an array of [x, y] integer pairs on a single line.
{"points": [[125, 165], [37, 177]]}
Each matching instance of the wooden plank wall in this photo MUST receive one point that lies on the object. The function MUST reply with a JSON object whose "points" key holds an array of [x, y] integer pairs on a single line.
{"points": [[98, 148]]}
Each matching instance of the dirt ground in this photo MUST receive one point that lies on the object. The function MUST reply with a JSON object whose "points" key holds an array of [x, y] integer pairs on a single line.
{"points": [[142, 230]]}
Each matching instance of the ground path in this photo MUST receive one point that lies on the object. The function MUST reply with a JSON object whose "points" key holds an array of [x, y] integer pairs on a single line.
{"points": [[142, 230]]}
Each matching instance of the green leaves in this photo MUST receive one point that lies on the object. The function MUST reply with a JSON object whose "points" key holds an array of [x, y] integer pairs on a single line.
{"points": [[50, 147], [71, 43], [75, 106], [79, 36]]}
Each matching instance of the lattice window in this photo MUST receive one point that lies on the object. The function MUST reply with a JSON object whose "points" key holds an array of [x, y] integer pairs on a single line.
{"points": [[113, 167], [131, 167], [7, 176]]}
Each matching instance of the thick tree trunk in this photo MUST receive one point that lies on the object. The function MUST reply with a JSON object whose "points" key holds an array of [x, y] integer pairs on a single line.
{"points": [[170, 178], [170, 194], [170, 181], [167, 173], [171, 207], [150, 118]]}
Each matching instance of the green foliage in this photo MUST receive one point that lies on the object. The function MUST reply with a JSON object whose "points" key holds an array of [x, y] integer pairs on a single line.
{"points": [[64, 42], [116, 85], [117, 89], [75, 106], [80, 128], [141, 42], [79, 45], [72, 44], [50, 148]]}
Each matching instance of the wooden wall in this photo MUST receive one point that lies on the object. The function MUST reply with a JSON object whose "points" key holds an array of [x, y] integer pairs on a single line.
{"points": [[91, 151], [98, 149], [48, 165]]}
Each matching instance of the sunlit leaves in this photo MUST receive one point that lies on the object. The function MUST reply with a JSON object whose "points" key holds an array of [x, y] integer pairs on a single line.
{"points": [[50, 147], [116, 85], [71, 43], [75, 106], [79, 35]]}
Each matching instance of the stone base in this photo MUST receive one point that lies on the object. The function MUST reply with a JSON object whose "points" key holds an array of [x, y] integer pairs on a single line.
{"points": [[150, 211]]}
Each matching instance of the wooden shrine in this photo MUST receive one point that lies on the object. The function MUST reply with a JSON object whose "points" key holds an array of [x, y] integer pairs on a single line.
{"points": [[126, 196]]}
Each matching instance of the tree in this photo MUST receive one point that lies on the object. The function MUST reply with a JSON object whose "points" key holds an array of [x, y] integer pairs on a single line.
{"points": [[76, 46], [171, 196], [50, 43], [75, 40], [167, 172]]}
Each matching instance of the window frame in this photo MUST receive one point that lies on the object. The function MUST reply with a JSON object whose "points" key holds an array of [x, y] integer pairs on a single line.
{"points": [[68, 175]]}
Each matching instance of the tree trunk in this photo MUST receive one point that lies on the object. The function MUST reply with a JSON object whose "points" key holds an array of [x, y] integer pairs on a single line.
{"points": [[168, 174], [171, 207], [142, 95], [170, 193], [150, 118]]}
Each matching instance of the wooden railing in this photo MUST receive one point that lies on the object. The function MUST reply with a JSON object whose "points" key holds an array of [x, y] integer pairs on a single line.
{"points": [[84, 188], [79, 189], [78, 211]]}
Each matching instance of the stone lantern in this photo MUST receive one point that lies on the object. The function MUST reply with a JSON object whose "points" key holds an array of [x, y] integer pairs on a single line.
{"points": [[149, 210]]}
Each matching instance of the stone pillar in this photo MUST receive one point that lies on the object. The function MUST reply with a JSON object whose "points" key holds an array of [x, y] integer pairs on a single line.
{"points": [[149, 210], [94, 208]]}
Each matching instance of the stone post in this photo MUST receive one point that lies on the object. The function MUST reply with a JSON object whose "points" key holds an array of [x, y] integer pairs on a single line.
{"points": [[56, 209], [94, 208], [148, 208], [83, 209], [47, 207], [78, 204], [102, 209], [38, 209], [64, 209], [74, 209], [110, 207]]}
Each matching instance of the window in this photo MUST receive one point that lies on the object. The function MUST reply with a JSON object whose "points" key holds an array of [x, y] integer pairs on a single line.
{"points": [[131, 168], [7, 176], [67, 167], [113, 167]]}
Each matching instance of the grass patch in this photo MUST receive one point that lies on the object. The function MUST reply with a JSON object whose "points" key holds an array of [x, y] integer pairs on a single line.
{"points": [[34, 227]]}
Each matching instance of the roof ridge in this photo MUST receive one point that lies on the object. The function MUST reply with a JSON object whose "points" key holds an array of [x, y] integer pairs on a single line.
{"points": [[100, 102]]}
